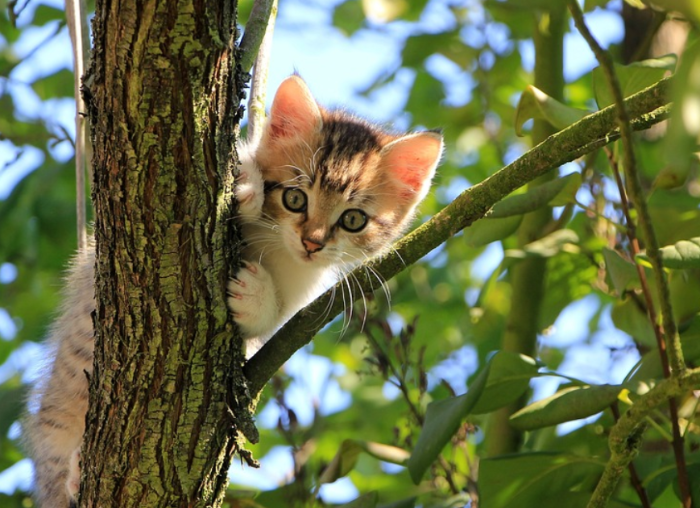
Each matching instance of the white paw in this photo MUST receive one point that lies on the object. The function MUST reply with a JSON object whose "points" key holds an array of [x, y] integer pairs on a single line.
{"points": [[250, 191], [73, 480], [253, 300]]}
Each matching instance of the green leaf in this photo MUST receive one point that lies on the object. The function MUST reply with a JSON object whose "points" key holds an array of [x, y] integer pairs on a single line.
{"points": [[683, 137], [45, 13], [566, 405], [529, 479], [487, 230], [403, 503], [383, 11], [368, 500], [690, 8], [548, 246], [621, 271], [349, 16], [535, 104], [628, 317], [346, 457], [558, 192], [442, 420], [59, 84], [509, 377], [683, 254], [633, 78]]}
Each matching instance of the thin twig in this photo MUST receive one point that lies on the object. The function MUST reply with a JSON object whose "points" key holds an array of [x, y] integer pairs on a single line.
{"points": [[635, 250], [634, 189], [258, 83], [77, 27], [254, 33], [648, 107]]}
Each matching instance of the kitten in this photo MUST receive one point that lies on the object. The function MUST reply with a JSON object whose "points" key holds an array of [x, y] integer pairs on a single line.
{"points": [[320, 193]]}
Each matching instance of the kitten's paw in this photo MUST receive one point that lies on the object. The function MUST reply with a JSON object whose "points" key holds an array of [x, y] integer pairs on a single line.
{"points": [[253, 300], [250, 191], [73, 480]]}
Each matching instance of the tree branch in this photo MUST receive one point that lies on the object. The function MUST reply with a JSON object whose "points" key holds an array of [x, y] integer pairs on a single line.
{"points": [[674, 363], [647, 108], [77, 28], [254, 33], [258, 83], [625, 434]]}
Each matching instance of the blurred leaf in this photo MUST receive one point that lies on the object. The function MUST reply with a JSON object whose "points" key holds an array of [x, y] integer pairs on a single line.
{"points": [[349, 16], [45, 13], [487, 230], [683, 254], [546, 247], [509, 377], [557, 192], [530, 479], [629, 317], [404, 503], [690, 8], [442, 420], [622, 272], [383, 11], [59, 84], [566, 405], [683, 137], [633, 78], [535, 104], [449, 44], [368, 500], [346, 458]]}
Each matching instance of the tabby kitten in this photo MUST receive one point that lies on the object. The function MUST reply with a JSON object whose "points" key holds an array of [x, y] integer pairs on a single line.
{"points": [[321, 192]]}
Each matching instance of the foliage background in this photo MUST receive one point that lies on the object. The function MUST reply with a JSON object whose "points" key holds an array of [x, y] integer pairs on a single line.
{"points": [[461, 66]]}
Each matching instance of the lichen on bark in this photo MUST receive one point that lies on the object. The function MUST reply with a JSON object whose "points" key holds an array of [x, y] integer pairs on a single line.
{"points": [[164, 102]]}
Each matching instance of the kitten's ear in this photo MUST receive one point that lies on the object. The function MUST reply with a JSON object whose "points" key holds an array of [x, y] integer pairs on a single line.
{"points": [[294, 111], [410, 162]]}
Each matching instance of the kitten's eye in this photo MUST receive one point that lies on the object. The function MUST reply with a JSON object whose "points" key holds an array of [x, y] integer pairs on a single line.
{"points": [[294, 199], [353, 220]]}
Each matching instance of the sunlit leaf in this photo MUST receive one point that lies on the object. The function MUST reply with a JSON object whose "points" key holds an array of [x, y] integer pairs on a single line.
{"points": [[632, 78], [535, 104], [566, 405], [683, 254]]}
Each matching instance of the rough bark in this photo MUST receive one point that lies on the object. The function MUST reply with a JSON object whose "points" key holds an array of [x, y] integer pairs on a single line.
{"points": [[164, 105]]}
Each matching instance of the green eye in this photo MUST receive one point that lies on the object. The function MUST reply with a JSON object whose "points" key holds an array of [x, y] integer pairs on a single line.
{"points": [[294, 199], [353, 220]]}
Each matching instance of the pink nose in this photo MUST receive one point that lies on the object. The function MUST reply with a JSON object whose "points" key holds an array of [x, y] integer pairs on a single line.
{"points": [[312, 246]]}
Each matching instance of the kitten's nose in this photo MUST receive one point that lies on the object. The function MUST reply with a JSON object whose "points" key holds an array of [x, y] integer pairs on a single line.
{"points": [[311, 246]]}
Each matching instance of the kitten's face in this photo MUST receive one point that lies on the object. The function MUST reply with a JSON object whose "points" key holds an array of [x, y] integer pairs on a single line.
{"points": [[330, 209], [339, 189]]}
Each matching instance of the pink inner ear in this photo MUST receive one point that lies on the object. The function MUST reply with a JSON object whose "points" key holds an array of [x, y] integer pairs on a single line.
{"points": [[294, 110], [412, 161]]}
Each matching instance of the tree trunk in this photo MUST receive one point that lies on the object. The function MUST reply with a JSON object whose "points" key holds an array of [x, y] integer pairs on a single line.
{"points": [[164, 106]]}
